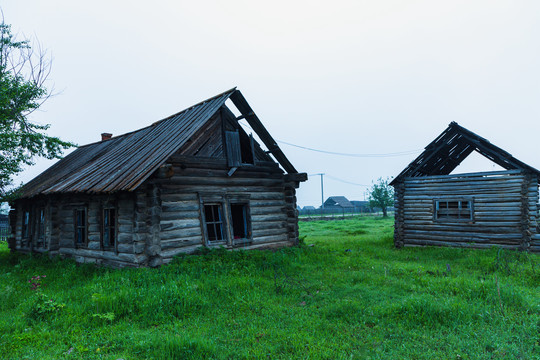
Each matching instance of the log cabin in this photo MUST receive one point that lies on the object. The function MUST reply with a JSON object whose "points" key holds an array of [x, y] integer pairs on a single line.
{"points": [[479, 210], [193, 179]]}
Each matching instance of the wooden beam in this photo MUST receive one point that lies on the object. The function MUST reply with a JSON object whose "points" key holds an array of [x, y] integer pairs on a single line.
{"points": [[240, 102]]}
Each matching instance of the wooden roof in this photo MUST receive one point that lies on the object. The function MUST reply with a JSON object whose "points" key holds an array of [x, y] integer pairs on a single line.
{"points": [[338, 201], [124, 162], [451, 147]]}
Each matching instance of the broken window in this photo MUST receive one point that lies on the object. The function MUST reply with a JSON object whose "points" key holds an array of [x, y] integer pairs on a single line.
{"points": [[109, 228], [454, 210], [240, 222], [246, 148], [81, 227], [213, 218], [239, 148]]}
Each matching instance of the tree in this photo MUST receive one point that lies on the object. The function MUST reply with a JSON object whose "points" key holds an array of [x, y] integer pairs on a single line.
{"points": [[381, 195], [23, 73]]}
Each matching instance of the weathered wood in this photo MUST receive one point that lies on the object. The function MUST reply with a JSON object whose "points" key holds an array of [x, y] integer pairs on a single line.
{"points": [[99, 254], [273, 217], [162, 217], [267, 210], [268, 232], [263, 225], [270, 239], [181, 233], [504, 210], [418, 242], [180, 242]]}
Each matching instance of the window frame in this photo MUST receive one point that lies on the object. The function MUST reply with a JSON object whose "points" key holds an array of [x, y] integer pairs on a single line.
{"points": [[26, 227], [41, 223], [114, 246], [76, 227], [222, 223], [469, 211]]}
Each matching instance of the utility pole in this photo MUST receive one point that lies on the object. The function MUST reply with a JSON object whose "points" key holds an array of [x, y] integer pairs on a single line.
{"points": [[322, 190]]}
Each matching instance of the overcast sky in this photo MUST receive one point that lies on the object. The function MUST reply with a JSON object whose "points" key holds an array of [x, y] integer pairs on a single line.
{"points": [[363, 77]]}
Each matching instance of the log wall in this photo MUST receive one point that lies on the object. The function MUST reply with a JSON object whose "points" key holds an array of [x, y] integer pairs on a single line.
{"points": [[185, 181], [60, 229], [504, 211]]}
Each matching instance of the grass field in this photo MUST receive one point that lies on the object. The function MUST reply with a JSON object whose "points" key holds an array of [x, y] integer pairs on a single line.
{"points": [[345, 294]]}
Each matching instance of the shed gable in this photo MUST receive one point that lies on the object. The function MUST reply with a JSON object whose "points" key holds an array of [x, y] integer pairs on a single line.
{"points": [[453, 146]]}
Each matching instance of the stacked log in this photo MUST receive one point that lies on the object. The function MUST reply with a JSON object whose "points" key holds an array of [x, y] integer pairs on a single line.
{"points": [[504, 210]]}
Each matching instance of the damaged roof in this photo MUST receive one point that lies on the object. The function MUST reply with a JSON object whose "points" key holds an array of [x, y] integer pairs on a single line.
{"points": [[451, 147], [124, 162]]}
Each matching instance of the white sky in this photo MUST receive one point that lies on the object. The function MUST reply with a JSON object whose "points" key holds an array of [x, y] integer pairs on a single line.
{"points": [[343, 76]]}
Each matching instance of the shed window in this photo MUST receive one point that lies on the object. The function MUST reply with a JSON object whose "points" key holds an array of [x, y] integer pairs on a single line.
{"points": [[240, 221], [213, 217], [454, 210], [109, 228], [81, 227]]}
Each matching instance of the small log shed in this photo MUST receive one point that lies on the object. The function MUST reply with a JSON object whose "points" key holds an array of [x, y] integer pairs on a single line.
{"points": [[480, 210], [193, 179]]}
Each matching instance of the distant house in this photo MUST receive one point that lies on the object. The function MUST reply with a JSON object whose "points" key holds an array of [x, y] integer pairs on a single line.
{"points": [[361, 206], [435, 207], [193, 179], [338, 202]]}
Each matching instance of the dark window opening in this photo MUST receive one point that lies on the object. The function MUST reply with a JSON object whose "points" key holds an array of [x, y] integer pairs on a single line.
{"points": [[40, 241], [80, 227], [240, 221], [109, 228], [213, 217], [246, 148], [453, 210]]}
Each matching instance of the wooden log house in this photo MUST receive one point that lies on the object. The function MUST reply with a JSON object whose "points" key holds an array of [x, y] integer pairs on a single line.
{"points": [[193, 179], [479, 210]]}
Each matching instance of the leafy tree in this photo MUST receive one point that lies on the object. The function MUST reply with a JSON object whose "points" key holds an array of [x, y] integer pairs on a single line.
{"points": [[381, 195], [23, 73]]}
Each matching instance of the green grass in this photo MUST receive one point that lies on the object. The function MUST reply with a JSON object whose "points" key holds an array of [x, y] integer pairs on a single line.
{"points": [[345, 294]]}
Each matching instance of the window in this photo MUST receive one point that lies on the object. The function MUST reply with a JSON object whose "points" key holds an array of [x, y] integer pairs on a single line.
{"points": [[239, 148], [81, 234], [213, 218], [109, 228], [454, 210], [26, 224], [40, 241], [225, 218], [240, 222]]}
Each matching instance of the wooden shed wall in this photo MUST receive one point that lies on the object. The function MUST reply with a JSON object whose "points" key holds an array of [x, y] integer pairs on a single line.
{"points": [[504, 203], [272, 202]]}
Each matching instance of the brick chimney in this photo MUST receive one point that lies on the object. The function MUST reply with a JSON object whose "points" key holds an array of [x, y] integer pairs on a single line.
{"points": [[105, 136]]}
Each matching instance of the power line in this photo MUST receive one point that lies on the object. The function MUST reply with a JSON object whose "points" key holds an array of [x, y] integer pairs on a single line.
{"points": [[345, 181], [402, 153], [340, 180]]}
